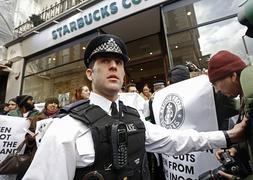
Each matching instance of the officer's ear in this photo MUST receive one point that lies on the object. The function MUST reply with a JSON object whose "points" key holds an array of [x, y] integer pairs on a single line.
{"points": [[89, 73]]}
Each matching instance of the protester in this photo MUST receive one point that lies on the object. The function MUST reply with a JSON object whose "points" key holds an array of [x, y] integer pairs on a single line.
{"points": [[12, 104], [158, 84], [224, 72], [155, 160], [25, 107], [146, 92], [51, 109], [7, 107], [224, 105], [84, 144], [178, 73], [4, 109], [82, 93], [131, 87]]}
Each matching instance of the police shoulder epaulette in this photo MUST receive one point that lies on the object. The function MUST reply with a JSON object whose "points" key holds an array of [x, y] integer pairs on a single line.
{"points": [[131, 110], [88, 115], [78, 104], [84, 111], [66, 109]]}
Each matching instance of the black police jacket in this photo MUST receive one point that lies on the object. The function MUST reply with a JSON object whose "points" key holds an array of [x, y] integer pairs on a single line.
{"points": [[100, 123]]}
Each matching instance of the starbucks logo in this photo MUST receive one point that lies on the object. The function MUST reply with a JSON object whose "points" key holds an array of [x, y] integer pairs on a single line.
{"points": [[171, 114]]}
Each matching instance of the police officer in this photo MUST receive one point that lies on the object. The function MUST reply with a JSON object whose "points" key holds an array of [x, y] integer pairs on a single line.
{"points": [[91, 140]]}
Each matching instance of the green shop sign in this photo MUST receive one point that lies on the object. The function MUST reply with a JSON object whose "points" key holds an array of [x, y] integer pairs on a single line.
{"points": [[93, 16]]}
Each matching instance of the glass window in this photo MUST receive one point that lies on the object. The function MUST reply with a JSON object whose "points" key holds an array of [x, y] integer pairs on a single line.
{"points": [[146, 63], [199, 12], [226, 34], [146, 72], [188, 39], [198, 44], [145, 47], [63, 80], [54, 59], [58, 72], [208, 10]]}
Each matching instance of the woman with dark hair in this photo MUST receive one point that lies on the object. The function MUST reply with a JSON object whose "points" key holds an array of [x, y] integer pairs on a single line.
{"points": [[82, 93], [51, 109], [12, 104], [4, 109], [146, 92]]}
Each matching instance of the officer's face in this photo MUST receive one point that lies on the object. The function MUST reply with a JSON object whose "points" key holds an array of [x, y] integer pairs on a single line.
{"points": [[107, 76], [227, 86]]}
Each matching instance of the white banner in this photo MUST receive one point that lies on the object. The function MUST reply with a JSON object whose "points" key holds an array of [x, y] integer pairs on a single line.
{"points": [[39, 106], [41, 128], [133, 100], [187, 105], [12, 133]]}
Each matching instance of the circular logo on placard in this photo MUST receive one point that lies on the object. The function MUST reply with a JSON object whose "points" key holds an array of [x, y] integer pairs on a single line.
{"points": [[171, 114]]}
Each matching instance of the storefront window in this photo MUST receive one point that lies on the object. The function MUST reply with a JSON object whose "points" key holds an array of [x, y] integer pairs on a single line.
{"points": [[57, 73], [208, 10], [144, 48], [198, 13], [54, 59], [197, 44], [226, 35], [146, 63], [57, 82]]}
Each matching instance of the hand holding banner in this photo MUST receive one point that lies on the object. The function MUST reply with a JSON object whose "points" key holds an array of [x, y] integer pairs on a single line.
{"points": [[187, 105], [12, 133]]}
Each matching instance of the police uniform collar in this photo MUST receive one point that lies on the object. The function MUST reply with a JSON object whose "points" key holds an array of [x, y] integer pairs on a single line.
{"points": [[102, 102]]}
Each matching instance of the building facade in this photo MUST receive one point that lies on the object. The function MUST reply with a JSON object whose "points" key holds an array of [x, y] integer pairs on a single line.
{"points": [[159, 35]]}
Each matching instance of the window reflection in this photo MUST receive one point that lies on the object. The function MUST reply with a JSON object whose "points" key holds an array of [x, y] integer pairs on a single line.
{"points": [[184, 47], [197, 45], [144, 47], [178, 19], [208, 10], [222, 35], [58, 72], [188, 42], [57, 58], [57, 81], [199, 12]]}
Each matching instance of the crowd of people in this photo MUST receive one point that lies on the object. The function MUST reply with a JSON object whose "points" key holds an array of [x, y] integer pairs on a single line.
{"points": [[104, 139], [24, 106]]}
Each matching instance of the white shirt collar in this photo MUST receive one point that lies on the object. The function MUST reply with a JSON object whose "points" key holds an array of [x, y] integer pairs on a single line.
{"points": [[102, 102]]}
